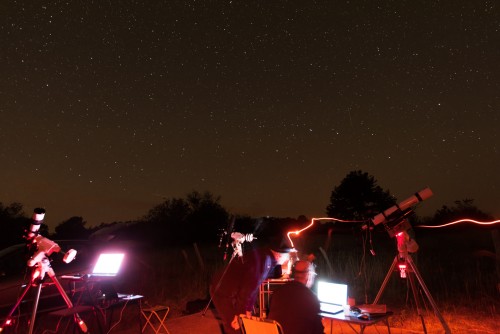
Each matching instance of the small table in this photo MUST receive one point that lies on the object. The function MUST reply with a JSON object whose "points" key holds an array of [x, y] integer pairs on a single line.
{"points": [[107, 309], [353, 321]]}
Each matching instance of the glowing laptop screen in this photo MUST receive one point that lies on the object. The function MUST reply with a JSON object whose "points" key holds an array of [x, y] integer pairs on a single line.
{"points": [[332, 296], [108, 264]]}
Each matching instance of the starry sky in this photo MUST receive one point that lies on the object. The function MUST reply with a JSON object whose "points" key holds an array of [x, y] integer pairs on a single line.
{"points": [[107, 108]]}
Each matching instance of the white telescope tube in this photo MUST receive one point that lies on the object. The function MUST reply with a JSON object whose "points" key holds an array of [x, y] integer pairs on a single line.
{"points": [[420, 196]]}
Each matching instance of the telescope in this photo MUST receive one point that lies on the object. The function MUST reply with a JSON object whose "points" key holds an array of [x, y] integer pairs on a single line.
{"points": [[37, 220], [238, 239], [398, 209], [45, 247], [394, 218], [42, 248]]}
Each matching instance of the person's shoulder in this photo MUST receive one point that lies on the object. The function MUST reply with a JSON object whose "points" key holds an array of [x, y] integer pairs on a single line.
{"points": [[294, 286], [302, 289], [287, 286]]}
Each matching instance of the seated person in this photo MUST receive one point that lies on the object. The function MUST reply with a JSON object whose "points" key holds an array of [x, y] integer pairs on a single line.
{"points": [[294, 305], [235, 288]]}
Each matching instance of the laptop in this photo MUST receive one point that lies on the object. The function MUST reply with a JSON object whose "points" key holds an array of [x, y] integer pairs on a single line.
{"points": [[107, 266], [332, 297]]}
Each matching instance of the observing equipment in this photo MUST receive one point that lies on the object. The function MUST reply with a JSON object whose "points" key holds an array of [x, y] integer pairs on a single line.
{"points": [[40, 264], [108, 264], [104, 271], [396, 224], [37, 220], [332, 297], [224, 235], [238, 239], [397, 209], [45, 247], [394, 218]]}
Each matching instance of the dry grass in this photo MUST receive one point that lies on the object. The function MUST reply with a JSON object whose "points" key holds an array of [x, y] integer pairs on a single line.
{"points": [[459, 320], [464, 294]]}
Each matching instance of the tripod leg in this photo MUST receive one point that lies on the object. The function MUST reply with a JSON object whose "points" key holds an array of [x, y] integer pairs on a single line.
{"points": [[67, 300], [218, 284], [387, 277], [417, 300], [429, 297], [35, 307], [8, 318]]}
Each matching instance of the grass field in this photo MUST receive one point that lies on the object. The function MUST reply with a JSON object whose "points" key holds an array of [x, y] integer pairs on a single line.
{"points": [[462, 284], [460, 279]]}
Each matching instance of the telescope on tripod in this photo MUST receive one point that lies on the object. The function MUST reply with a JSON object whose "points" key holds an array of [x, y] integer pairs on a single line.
{"points": [[238, 239], [397, 225], [40, 249]]}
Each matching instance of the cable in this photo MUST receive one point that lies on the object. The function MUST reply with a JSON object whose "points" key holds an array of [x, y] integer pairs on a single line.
{"points": [[120, 319]]}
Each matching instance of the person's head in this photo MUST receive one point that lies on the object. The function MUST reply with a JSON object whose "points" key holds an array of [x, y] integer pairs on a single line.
{"points": [[304, 272], [281, 248], [281, 255]]}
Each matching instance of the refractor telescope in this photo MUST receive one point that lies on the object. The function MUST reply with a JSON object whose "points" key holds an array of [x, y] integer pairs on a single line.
{"points": [[394, 218], [43, 247], [397, 209], [37, 220]]}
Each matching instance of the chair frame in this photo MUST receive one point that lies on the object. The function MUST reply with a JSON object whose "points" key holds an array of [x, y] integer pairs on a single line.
{"points": [[266, 326], [155, 319]]}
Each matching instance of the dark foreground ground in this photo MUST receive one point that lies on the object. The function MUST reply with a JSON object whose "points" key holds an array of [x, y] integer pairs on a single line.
{"points": [[128, 321], [208, 324]]}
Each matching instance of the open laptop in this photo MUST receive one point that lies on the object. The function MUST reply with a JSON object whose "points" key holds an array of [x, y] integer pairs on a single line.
{"points": [[332, 297], [107, 266]]}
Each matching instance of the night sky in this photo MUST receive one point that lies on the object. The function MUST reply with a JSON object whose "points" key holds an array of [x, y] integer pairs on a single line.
{"points": [[108, 108]]}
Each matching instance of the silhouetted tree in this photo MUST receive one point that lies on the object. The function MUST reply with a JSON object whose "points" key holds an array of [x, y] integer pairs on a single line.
{"points": [[358, 197], [462, 209], [163, 223], [477, 238], [206, 216], [13, 224], [177, 220], [73, 228]]}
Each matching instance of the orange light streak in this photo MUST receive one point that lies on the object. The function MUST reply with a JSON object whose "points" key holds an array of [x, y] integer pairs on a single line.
{"points": [[313, 220], [493, 222]]}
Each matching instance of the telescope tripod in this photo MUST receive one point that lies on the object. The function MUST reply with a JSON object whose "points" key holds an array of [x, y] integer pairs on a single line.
{"points": [[235, 254], [408, 269], [38, 274]]}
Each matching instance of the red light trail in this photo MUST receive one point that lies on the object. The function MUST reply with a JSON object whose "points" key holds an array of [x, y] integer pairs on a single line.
{"points": [[493, 222], [313, 220]]}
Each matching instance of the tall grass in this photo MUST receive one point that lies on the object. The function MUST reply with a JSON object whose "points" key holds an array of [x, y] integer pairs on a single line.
{"points": [[452, 274], [175, 276]]}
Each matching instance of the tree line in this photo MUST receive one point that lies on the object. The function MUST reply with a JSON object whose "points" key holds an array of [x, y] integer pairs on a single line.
{"points": [[200, 217]]}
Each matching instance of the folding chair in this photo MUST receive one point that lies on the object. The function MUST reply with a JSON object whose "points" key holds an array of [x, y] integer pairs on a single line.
{"points": [[155, 317], [256, 325]]}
